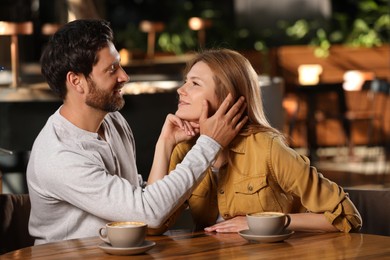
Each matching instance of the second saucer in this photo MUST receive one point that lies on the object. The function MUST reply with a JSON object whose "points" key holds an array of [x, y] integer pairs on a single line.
{"points": [[248, 235]]}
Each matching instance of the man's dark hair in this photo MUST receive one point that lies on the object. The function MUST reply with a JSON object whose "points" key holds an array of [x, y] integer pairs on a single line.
{"points": [[74, 47]]}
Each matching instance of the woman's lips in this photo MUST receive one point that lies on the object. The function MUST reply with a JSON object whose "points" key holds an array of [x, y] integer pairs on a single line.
{"points": [[182, 103]]}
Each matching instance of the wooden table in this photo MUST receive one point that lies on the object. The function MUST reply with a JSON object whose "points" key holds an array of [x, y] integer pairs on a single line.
{"points": [[200, 245]]}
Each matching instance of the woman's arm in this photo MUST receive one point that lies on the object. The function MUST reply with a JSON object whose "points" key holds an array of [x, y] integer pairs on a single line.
{"points": [[174, 131], [318, 194], [309, 222]]}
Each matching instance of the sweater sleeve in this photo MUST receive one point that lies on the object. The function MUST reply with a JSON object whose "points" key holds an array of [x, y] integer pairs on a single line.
{"points": [[176, 157], [88, 186]]}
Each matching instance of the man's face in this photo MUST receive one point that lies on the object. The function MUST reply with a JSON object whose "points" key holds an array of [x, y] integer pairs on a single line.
{"points": [[106, 81]]}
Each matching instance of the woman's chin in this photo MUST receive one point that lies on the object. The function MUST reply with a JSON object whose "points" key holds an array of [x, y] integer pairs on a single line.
{"points": [[186, 117]]}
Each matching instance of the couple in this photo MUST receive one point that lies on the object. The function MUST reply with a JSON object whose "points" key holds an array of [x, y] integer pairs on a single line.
{"points": [[82, 172]]}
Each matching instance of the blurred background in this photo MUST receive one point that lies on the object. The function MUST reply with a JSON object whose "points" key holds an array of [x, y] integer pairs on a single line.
{"points": [[238, 24], [323, 65]]}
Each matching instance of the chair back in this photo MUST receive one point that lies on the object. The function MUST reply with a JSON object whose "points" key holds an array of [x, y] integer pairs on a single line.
{"points": [[372, 205], [368, 103], [377, 92], [14, 216], [272, 92]]}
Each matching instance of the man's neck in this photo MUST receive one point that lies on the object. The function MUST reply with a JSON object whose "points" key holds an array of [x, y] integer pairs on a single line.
{"points": [[85, 117]]}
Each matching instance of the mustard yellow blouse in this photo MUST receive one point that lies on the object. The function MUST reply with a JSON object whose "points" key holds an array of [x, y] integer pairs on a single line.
{"points": [[264, 174]]}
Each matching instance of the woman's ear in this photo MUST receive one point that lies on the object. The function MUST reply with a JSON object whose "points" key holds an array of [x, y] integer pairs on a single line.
{"points": [[75, 80]]}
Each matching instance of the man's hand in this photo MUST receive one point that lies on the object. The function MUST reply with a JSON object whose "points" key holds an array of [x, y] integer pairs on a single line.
{"points": [[225, 124]]}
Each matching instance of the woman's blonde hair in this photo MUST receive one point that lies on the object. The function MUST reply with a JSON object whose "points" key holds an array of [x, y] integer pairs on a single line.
{"points": [[234, 74]]}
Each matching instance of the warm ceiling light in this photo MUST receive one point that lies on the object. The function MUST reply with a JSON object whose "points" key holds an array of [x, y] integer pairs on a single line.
{"points": [[354, 79], [309, 74], [196, 23]]}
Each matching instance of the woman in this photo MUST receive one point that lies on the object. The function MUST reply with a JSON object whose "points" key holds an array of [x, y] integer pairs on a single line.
{"points": [[257, 172]]}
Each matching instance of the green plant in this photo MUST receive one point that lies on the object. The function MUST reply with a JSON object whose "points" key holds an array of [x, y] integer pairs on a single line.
{"points": [[369, 28], [131, 38], [352, 22]]}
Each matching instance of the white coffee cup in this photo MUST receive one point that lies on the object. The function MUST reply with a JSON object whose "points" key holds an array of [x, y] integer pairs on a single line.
{"points": [[268, 223], [124, 234]]}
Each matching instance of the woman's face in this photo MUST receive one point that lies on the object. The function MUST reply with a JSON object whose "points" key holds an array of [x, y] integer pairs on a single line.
{"points": [[199, 85]]}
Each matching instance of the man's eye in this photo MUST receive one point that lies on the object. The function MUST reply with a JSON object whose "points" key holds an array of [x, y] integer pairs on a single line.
{"points": [[112, 69]]}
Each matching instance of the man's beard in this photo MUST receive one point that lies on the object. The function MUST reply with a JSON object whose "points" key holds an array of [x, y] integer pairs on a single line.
{"points": [[107, 101]]}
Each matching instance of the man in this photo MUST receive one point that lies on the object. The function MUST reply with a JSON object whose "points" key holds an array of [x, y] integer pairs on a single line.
{"points": [[82, 171]]}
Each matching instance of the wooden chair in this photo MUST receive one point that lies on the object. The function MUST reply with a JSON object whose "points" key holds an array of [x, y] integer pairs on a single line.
{"points": [[151, 28], [7, 152], [14, 29], [200, 25], [14, 215], [371, 110], [295, 117]]}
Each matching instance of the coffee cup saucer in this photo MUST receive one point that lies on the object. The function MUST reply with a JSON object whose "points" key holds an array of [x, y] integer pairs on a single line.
{"points": [[248, 235], [145, 246]]}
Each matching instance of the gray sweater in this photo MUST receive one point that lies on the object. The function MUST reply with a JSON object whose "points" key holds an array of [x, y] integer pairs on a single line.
{"points": [[78, 182]]}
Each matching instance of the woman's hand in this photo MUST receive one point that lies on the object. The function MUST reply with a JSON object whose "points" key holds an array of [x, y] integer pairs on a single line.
{"points": [[173, 132], [231, 225], [176, 130]]}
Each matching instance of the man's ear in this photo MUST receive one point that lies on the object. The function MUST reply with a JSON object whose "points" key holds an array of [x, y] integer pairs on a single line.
{"points": [[75, 81]]}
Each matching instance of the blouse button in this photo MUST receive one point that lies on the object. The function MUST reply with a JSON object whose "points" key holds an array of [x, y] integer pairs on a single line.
{"points": [[221, 192], [250, 188]]}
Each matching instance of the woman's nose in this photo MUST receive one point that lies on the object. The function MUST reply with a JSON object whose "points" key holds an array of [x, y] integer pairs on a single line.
{"points": [[181, 90]]}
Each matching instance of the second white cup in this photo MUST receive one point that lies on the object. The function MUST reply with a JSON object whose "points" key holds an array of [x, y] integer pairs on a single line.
{"points": [[268, 223]]}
